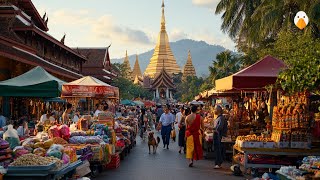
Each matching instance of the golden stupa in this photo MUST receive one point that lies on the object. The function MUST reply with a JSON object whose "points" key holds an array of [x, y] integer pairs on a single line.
{"points": [[136, 72], [162, 56], [188, 69], [126, 63]]}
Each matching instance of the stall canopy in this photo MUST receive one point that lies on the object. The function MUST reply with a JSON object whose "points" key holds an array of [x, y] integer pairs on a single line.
{"points": [[254, 77], [89, 87], [35, 83], [139, 103], [127, 102]]}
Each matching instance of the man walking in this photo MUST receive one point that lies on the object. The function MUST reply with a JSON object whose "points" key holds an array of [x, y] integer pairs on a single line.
{"points": [[166, 121], [220, 130]]}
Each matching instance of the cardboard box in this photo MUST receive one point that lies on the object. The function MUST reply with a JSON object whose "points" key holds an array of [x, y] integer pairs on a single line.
{"points": [[269, 145]]}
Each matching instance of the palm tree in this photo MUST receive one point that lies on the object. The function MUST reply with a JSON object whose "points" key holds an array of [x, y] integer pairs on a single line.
{"points": [[236, 16], [226, 64]]}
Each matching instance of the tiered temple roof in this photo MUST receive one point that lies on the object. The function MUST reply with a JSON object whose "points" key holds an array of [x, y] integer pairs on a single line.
{"points": [[188, 69], [136, 72], [162, 53], [126, 64], [163, 79]]}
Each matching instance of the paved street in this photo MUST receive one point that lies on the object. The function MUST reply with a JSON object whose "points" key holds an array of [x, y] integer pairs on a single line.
{"points": [[165, 165]]}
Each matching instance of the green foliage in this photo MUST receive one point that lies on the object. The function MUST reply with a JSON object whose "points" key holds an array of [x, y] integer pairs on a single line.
{"points": [[301, 53], [226, 64], [188, 89], [127, 89]]}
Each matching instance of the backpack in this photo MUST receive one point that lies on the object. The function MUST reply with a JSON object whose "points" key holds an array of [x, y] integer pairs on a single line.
{"points": [[224, 131]]}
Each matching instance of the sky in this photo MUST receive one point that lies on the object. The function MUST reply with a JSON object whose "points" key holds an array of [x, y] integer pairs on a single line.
{"points": [[131, 25]]}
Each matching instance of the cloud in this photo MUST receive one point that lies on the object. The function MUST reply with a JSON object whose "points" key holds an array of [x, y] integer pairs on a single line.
{"points": [[104, 27], [206, 3], [177, 34], [88, 29]]}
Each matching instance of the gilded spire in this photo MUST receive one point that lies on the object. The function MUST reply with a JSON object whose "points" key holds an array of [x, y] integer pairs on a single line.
{"points": [[136, 69], [188, 69], [127, 66], [163, 19], [162, 56]]}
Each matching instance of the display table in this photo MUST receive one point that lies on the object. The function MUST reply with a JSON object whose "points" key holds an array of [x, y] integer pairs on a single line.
{"points": [[44, 175], [273, 152]]}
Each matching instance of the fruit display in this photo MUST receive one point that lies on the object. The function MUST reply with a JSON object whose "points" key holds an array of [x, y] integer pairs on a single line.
{"points": [[253, 141], [292, 112]]}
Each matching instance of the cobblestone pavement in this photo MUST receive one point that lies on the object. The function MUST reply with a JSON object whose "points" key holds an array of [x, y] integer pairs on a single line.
{"points": [[164, 165]]}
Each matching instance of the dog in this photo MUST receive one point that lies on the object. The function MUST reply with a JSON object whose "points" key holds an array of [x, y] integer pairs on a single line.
{"points": [[153, 142]]}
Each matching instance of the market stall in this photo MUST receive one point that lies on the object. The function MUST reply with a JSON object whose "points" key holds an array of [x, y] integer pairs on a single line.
{"points": [[27, 92]]}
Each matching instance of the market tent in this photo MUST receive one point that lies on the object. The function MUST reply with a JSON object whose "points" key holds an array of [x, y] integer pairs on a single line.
{"points": [[89, 87], [139, 103], [35, 83], [149, 103], [254, 77], [127, 102]]}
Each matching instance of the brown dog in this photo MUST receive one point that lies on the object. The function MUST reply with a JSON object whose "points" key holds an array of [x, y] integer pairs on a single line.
{"points": [[153, 142]]}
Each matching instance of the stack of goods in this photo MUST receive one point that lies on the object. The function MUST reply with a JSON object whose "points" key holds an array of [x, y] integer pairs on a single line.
{"points": [[291, 116], [5, 153], [57, 151], [82, 150], [35, 160], [261, 159], [11, 136], [300, 140], [281, 137], [85, 140], [253, 141], [61, 131], [115, 162], [290, 172], [311, 165]]}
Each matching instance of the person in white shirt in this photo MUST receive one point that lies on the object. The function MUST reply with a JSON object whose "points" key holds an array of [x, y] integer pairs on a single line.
{"points": [[179, 115], [98, 110], [166, 121], [47, 118], [76, 117], [23, 130]]}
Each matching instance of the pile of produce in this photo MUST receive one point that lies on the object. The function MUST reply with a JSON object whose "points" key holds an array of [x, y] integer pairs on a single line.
{"points": [[35, 160], [5, 153]]}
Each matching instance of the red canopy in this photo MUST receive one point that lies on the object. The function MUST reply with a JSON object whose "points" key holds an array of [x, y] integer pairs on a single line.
{"points": [[254, 77], [149, 103], [89, 87]]}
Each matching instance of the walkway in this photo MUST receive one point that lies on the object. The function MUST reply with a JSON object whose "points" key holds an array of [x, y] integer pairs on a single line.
{"points": [[165, 165]]}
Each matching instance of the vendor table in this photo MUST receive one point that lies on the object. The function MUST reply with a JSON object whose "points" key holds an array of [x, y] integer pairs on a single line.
{"points": [[273, 152], [44, 175]]}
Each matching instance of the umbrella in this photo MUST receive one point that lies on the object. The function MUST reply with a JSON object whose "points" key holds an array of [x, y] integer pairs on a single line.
{"points": [[127, 102]]}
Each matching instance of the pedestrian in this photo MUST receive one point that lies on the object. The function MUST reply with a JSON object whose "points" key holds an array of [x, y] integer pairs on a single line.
{"points": [[99, 109], [166, 123], [47, 118], [194, 123], [143, 122], [76, 116], [65, 115], [219, 130], [159, 112], [182, 129], [3, 120]]}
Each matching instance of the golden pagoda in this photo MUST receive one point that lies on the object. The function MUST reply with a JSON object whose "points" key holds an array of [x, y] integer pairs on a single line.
{"points": [[162, 56], [126, 64], [136, 72], [188, 69]]}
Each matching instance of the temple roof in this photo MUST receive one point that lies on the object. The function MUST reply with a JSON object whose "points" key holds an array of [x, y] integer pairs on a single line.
{"points": [[126, 64], [28, 7], [188, 69], [163, 80], [162, 56], [136, 71]]}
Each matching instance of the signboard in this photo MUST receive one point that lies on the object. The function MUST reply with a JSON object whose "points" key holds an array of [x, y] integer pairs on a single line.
{"points": [[87, 91]]}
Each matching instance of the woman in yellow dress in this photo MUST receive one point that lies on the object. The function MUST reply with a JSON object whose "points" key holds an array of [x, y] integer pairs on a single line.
{"points": [[194, 124]]}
